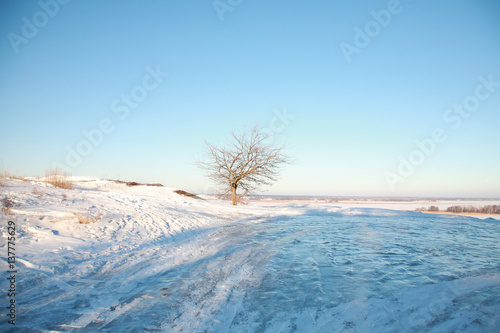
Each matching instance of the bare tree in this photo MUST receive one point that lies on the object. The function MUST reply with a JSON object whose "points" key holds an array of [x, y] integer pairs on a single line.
{"points": [[246, 163]]}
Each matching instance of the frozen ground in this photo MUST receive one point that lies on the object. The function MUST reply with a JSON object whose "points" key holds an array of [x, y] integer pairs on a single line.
{"points": [[157, 261]]}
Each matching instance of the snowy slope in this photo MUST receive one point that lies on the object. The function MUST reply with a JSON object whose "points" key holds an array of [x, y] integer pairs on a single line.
{"points": [[154, 260], [142, 230]]}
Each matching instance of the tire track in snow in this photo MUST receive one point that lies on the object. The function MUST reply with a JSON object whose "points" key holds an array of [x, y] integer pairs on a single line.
{"points": [[209, 288], [212, 274]]}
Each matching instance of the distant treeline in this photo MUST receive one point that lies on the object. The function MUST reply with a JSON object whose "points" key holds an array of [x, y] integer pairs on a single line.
{"points": [[489, 209]]}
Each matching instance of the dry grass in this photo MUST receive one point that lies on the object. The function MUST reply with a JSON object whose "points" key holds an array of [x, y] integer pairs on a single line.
{"points": [[7, 204], [24, 179], [4, 174], [58, 178], [36, 191], [88, 218]]}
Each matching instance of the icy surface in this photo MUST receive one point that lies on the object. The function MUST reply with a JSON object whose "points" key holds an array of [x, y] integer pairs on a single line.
{"points": [[160, 262]]}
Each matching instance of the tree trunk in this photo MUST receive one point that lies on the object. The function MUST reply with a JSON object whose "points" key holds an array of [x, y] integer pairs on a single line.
{"points": [[233, 191]]}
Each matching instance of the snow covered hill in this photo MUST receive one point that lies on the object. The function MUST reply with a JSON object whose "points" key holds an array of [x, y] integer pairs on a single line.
{"points": [[105, 256], [132, 233]]}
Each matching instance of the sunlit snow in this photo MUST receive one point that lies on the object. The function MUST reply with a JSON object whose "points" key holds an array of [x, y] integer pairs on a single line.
{"points": [[157, 261]]}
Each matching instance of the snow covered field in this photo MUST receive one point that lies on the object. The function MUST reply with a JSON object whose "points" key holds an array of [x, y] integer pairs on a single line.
{"points": [[157, 261]]}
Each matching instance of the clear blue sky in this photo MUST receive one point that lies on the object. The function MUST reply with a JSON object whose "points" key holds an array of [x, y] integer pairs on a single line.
{"points": [[359, 101]]}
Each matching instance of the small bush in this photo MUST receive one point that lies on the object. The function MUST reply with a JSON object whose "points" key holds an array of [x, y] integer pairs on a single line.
{"points": [[136, 183], [59, 178], [36, 191], [429, 209], [88, 218], [187, 194], [7, 204], [127, 183]]}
